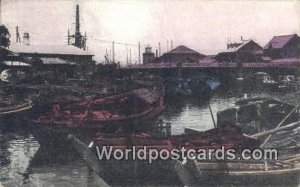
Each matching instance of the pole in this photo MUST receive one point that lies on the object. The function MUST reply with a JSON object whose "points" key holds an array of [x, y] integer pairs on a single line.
{"points": [[212, 115], [130, 55], [126, 54], [167, 45], [159, 50], [284, 119], [139, 53], [0, 14], [113, 52]]}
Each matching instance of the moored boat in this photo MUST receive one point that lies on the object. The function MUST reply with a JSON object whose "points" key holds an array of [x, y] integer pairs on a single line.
{"points": [[133, 109], [229, 137], [281, 172]]}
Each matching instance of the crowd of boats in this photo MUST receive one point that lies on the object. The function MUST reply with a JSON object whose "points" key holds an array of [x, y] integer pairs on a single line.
{"points": [[121, 113]]}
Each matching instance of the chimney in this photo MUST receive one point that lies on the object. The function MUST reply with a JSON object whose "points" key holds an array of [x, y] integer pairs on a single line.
{"points": [[78, 37], [26, 38]]}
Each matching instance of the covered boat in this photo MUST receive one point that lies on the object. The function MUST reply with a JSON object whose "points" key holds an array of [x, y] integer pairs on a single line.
{"points": [[134, 109], [258, 114]]}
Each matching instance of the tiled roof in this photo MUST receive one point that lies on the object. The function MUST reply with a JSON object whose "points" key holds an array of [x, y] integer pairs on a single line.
{"points": [[278, 42]]}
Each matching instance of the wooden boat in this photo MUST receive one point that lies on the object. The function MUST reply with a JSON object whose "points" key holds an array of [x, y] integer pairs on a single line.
{"points": [[275, 123], [280, 172], [12, 109], [124, 108], [257, 114], [135, 109], [229, 137], [15, 109]]}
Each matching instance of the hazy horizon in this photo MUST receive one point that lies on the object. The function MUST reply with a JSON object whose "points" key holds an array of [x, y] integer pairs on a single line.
{"points": [[205, 26]]}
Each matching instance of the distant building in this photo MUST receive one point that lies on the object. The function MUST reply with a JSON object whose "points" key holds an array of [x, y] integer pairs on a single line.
{"points": [[247, 51], [284, 46], [148, 55], [181, 54], [64, 52], [61, 59]]}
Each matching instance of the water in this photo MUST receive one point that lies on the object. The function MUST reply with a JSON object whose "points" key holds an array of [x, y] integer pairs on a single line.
{"points": [[24, 163]]}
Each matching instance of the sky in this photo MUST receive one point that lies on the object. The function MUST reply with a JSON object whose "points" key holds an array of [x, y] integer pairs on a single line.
{"points": [[205, 26]]}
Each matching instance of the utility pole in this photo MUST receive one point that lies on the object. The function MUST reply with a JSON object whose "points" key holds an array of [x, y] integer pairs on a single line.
{"points": [[113, 52], [130, 55], [126, 54], [139, 53], [18, 39], [69, 37]]}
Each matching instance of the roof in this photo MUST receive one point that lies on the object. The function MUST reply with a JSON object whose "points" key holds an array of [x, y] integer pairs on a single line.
{"points": [[238, 46], [278, 42], [55, 61], [48, 49], [182, 50]]}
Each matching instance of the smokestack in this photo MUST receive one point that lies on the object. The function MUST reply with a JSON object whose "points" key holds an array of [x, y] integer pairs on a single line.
{"points": [[78, 37], [77, 26]]}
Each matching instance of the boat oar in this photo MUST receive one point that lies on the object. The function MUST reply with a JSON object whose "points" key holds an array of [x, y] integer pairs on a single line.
{"points": [[284, 119], [223, 164]]}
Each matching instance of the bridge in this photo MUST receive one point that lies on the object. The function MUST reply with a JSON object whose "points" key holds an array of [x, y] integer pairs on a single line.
{"points": [[293, 63], [226, 71]]}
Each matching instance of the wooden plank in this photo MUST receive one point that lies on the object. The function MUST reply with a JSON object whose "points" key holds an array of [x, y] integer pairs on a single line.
{"points": [[89, 157]]}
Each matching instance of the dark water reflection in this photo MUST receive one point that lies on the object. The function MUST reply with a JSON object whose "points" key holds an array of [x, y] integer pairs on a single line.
{"points": [[24, 164]]}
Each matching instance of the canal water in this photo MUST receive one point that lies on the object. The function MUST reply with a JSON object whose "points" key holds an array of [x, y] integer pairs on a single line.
{"points": [[24, 163]]}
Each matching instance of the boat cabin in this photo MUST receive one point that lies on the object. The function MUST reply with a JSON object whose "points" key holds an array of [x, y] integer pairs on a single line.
{"points": [[257, 114]]}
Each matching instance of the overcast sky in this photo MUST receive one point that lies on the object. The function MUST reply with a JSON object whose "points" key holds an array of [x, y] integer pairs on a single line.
{"points": [[205, 26]]}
